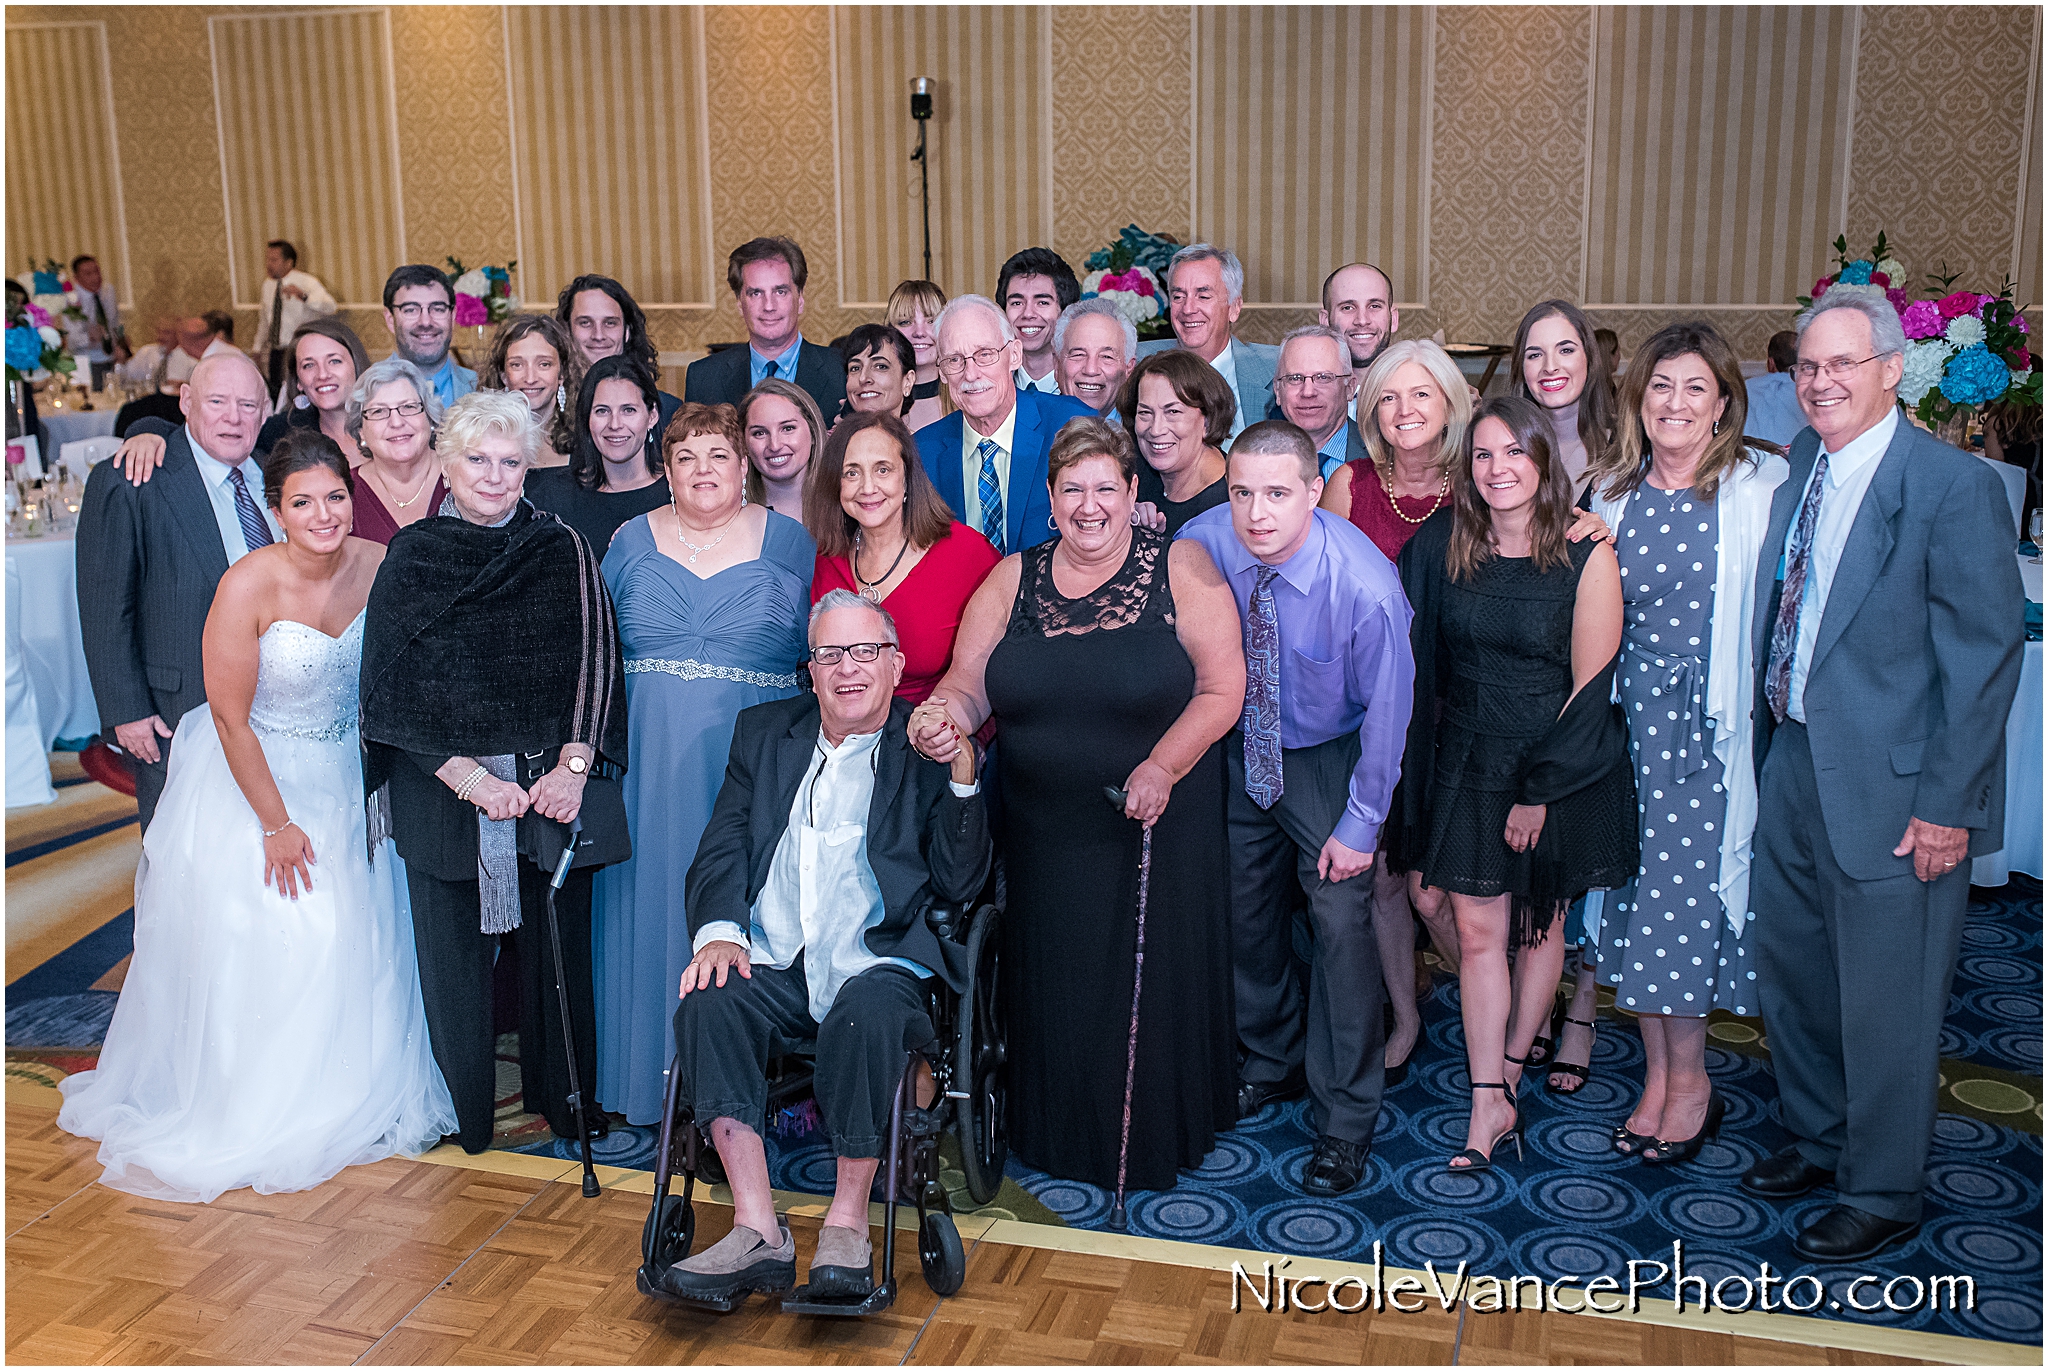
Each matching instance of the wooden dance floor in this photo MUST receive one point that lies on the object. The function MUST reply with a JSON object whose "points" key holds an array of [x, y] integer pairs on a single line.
{"points": [[491, 1259]]}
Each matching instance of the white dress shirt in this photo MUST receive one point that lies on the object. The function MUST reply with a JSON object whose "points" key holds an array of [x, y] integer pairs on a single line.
{"points": [[821, 898], [1226, 367], [104, 309], [1048, 384], [1005, 438], [1848, 480], [317, 304], [215, 473]]}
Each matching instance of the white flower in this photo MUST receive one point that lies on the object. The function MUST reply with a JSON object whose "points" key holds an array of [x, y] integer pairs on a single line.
{"points": [[473, 282], [1964, 330], [1132, 306], [1924, 363], [53, 304], [511, 304], [1091, 284], [2019, 378], [1892, 267], [51, 338]]}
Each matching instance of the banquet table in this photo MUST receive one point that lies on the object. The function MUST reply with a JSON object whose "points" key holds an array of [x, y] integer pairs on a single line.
{"points": [[49, 695], [2022, 850], [70, 425]]}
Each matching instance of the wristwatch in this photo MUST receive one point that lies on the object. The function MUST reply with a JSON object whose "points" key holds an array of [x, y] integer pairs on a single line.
{"points": [[577, 766]]}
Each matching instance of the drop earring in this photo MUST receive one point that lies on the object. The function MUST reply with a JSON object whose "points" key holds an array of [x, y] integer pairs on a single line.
{"points": [[1717, 428], [562, 397]]}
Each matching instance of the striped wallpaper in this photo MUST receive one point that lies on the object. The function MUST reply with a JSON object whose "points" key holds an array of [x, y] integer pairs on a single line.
{"points": [[991, 143], [2026, 247], [1312, 143], [611, 151], [1718, 153], [63, 181], [309, 147]]}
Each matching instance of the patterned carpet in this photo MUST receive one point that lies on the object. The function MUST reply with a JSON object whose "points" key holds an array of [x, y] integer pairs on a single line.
{"points": [[1570, 1206]]}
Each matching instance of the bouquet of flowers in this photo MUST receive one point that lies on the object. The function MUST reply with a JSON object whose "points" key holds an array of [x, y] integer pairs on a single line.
{"points": [[483, 295], [1878, 274], [35, 346], [1965, 351], [1128, 274]]}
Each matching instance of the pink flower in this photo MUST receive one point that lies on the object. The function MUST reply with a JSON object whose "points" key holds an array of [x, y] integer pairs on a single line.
{"points": [[2022, 359], [1878, 278], [1983, 300], [2018, 321], [1820, 286], [470, 311], [1897, 298], [38, 316], [1960, 303], [1922, 319]]}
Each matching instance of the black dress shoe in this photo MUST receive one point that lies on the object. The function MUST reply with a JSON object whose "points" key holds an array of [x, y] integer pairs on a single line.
{"points": [[1846, 1234], [1336, 1166], [1785, 1175], [1252, 1096], [595, 1120]]}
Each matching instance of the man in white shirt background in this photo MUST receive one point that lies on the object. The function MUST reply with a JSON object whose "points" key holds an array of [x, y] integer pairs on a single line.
{"points": [[1205, 296], [289, 298], [96, 336]]}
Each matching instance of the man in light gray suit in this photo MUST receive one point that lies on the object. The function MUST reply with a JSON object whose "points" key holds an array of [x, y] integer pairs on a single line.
{"points": [[1205, 295], [1888, 642]]}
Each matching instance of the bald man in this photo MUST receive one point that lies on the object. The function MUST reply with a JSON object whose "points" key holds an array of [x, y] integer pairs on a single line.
{"points": [[1358, 302], [203, 512]]}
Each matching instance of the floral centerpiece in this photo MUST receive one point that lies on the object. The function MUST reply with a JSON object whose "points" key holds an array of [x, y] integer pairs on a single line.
{"points": [[1879, 274], [483, 295], [1129, 274], [35, 345], [1965, 352]]}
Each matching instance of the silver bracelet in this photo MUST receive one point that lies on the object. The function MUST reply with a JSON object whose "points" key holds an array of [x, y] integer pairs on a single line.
{"points": [[273, 832]]}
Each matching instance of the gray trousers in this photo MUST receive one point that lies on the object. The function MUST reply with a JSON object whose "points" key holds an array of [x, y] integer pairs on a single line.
{"points": [[1854, 980], [725, 1036], [1338, 1034]]}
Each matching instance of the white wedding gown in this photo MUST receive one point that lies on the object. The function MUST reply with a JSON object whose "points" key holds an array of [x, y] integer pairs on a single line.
{"points": [[261, 1041]]}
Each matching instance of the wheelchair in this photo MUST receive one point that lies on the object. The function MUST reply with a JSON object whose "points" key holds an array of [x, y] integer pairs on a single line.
{"points": [[968, 1070]]}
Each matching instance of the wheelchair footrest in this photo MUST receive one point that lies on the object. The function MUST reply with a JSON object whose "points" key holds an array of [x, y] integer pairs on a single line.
{"points": [[801, 1301], [652, 1287]]}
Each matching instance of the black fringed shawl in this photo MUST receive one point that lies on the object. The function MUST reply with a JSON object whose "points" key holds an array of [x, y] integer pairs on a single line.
{"points": [[484, 641]]}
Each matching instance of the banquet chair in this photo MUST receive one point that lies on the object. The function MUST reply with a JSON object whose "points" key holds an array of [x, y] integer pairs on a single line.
{"points": [[78, 458], [2015, 479]]}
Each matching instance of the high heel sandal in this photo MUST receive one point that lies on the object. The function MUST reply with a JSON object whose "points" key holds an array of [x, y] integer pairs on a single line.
{"points": [[1628, 1143], [1474, 1159], [1581, 1074], [1673, 1153], [1543, 1046]]}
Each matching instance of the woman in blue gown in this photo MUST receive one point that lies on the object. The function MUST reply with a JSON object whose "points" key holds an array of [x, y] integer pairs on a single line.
{"points": [[712, 594]]}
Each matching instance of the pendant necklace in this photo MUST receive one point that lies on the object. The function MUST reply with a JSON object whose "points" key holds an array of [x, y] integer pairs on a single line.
{"points": [[872, 590], [695, 550]]}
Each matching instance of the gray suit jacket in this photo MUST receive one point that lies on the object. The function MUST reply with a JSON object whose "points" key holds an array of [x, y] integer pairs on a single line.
{"points": [[1918, 656], [149, 558], [1256, 363]]}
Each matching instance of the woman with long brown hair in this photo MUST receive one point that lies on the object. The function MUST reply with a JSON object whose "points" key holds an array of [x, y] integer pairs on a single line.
{"points": [[1558, 365], [1515, 791], [914, 308], [533, 355]]}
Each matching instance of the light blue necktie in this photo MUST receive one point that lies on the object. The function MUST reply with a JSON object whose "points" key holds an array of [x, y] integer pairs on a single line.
{"points": [[991, 492]]}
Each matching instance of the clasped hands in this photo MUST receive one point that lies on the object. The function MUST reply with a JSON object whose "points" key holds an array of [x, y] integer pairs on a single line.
{"points": [[558, 795]]}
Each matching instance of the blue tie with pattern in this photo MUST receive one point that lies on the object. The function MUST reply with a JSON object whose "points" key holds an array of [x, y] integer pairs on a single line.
{"points": [[991, 492], [1261, 719], [255, 532], [1785, 630]]}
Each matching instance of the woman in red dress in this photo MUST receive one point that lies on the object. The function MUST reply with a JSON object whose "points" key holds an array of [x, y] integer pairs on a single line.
{"points": [[884, 532]]}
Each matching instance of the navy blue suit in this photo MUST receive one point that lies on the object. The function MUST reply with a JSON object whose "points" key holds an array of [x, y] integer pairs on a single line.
{"points": [[1027, 507]]}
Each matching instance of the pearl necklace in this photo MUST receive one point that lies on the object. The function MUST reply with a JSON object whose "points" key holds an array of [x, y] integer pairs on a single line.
{"points": [[1387, 481]]}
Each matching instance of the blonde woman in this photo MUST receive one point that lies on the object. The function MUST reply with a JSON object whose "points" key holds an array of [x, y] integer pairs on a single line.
{"points": [[1413, 410], [914, 311]]}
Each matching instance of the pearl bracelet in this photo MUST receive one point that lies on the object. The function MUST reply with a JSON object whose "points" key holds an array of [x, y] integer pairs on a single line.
{"points": [[462, 791], [273, 832]]}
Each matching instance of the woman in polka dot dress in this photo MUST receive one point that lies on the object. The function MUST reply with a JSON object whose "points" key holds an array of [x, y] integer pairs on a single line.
{"points": [[1690, 502]]}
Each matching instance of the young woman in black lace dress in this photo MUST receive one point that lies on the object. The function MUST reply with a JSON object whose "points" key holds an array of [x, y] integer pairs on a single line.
{"points": [[1108, 657], [1516, 795]]}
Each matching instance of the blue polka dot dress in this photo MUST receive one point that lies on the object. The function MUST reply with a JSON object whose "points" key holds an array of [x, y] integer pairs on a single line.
{"points": [[1665, 943]]}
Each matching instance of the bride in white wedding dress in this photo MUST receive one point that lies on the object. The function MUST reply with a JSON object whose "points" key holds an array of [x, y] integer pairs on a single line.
{"points": [[270, 1030]]}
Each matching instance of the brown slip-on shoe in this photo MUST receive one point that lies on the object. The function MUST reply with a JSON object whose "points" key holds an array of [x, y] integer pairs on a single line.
{"points": [[740, 1261], [844, 1263]]}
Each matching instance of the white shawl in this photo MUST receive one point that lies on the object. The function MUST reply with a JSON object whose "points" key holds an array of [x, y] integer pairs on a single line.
{"points": [[1742, 508]]}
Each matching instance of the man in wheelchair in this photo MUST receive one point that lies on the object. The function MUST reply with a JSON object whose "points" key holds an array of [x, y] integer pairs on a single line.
{"points": [[830, 840]]}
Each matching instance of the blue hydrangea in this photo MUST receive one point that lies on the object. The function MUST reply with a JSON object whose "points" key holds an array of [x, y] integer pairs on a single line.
{"points": [[46, 283], [1975, 377], [1857, 273], [24, 349]]}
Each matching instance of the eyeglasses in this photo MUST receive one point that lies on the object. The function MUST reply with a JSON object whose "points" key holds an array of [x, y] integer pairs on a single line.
{"points": [[953, 364], [1840, 369], [377, 414], [860, 652], [411, 312], [1323, 380]]}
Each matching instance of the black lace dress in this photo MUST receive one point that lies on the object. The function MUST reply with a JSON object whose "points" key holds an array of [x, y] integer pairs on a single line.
{"points": [[1493, 671], [1082, 690]]}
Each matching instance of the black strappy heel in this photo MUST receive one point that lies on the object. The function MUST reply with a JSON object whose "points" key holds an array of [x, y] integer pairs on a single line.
{"points": [[1581, 1074], [1474, 1159]]}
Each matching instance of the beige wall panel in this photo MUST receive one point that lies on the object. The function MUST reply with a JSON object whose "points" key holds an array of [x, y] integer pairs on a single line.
{"points": [[1120, 123], [611, 148], [991, 143], [64, 193], [1719, 152], [2026, 252], [1311, 143], [308, 145]]}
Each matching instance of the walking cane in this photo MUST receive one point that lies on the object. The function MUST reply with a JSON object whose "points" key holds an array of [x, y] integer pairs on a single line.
{"points": [[1117, 1217], [568, 859]]}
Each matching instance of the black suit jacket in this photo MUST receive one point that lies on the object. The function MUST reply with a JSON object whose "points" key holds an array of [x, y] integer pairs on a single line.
{"points": [[149, 558], [725, 377], [924, 843]]}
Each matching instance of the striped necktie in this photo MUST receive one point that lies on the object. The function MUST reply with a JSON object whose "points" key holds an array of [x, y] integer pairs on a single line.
{"points": [[255, 531], [991, 492], [1785, 632]]}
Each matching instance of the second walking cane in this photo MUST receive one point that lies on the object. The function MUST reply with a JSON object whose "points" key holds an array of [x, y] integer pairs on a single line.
{"points": [[1118, 1219]]}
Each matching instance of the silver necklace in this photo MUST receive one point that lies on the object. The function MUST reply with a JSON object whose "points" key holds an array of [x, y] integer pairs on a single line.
{"points": [[695, 550]]}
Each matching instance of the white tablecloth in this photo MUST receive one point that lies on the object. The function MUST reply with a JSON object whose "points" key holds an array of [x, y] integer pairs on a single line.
{"points": [[49, 695], [70, 425], [2022, 851]]}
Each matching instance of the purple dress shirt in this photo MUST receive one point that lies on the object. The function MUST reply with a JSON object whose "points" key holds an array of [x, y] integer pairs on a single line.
{"points": [[1345, 661]]}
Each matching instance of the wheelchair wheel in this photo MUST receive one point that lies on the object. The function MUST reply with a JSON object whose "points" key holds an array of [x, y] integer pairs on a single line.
{"points": [[665, 1237], [979, 1069], [940, 1253]]}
